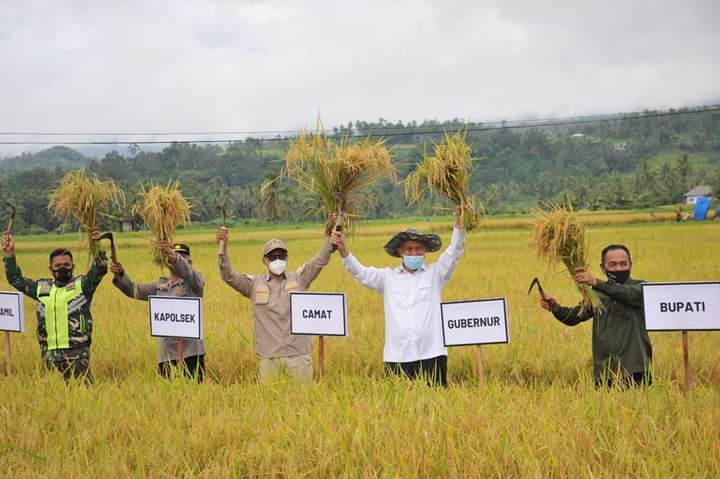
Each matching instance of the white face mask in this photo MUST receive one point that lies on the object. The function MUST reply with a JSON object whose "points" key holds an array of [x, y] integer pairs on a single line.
{"points": [[277, 266]]}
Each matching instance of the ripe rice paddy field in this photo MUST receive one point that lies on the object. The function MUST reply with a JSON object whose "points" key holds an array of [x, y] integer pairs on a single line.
{"points": [[538, 415]]}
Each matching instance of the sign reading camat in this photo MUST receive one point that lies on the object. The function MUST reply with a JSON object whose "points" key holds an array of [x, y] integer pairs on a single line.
{"points": [[482, 321], [12, 312], [318, 314], [682, 306], [176, 317]]}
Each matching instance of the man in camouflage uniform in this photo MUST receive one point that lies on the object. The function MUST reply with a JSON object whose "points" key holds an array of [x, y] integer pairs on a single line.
{"points": [[184, 281], [64, 321]]}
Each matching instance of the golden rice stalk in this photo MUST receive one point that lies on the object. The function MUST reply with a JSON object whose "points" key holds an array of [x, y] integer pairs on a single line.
{"points": [[447, 172], [332, 171], [83, 197], [270, 198], [560, 238], [163, 209]]}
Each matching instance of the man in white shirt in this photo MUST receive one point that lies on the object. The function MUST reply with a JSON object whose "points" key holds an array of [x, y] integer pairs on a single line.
{"points": [[412, 294]]}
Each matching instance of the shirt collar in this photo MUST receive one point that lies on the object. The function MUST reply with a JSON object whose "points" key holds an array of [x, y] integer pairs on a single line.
{"points": [[268, 277]]}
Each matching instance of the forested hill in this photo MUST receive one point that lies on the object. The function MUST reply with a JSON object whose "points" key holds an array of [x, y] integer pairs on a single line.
{"points": [[632, 162]]}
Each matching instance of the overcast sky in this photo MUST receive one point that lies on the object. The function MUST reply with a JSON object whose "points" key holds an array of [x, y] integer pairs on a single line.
{"points": [[171, 65]]}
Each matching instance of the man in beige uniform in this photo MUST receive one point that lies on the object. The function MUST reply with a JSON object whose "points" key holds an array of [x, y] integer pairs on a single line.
{"points": [[270, 294]]}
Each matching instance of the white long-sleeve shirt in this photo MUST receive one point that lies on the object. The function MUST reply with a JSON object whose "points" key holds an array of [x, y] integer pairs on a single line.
{"points": [[413, 325]]}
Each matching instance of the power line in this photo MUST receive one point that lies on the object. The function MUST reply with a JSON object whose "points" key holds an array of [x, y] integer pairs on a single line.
{"points": [[390, 132]]}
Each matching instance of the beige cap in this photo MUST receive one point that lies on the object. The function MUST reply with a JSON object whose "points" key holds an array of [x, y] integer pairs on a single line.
{"points": [[273, 244]]}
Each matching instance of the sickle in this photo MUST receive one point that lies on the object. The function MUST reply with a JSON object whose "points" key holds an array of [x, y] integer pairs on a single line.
{"points": [[11, 224], [536, 282]]}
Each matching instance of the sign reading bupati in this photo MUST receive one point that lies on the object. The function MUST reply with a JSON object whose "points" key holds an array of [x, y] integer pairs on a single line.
{"points": [[176, 317], [318, 314], [12, 312], [483, 321], [682, 306]]}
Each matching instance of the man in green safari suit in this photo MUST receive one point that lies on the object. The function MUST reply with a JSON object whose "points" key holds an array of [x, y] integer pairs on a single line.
{"points": [[621, 346]]}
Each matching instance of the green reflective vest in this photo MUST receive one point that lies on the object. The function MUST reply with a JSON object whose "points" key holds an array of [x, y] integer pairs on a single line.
{"points": [[57, 304]]}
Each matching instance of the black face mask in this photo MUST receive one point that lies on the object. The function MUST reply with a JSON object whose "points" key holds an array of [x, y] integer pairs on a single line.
{"points": [[62, 275], [619, 276]]}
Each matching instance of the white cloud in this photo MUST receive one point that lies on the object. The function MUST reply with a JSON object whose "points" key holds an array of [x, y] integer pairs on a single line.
{"points": [[256, 65]]}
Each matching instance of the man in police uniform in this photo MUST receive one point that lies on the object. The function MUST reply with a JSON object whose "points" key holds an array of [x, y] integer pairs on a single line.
{"points": [[184, 281], [64, 321], [621, 347], [270, 294]]}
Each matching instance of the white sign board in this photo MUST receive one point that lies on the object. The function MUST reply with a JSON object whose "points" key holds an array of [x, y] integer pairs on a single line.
{"points": [[176, 317], [483, 321], [318, 314], [12, 312], [682, 306]]}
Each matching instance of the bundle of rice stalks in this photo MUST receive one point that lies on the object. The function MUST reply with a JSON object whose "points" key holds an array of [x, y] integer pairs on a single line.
{"points": [[447, 171], [270, 198], [163, 209], [560, 238], [82, 197], [332, 171]]}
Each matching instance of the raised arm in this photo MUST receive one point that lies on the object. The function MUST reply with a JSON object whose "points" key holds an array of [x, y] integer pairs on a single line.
{"points": [[123, 282], [309, 271], [630, 294], [12, 271], [242, 283], [447, 261], [98, 269], [370, 277], [193, 278]]}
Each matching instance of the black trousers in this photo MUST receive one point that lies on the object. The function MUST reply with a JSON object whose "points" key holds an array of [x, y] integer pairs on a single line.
{"points": [[630, 380], [433, 369], [194, 367]]}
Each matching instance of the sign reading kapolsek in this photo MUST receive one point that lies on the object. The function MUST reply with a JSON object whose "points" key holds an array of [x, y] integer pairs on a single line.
{"points": [[482, 321], [176, 317], [682, 306], [318, 314], [12, 312]]}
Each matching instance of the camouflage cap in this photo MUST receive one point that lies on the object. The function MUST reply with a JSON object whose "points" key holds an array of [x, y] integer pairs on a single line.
{"points": [[431, 241], [272, 245]]}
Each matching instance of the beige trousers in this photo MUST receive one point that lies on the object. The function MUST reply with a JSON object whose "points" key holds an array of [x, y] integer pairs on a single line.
{"points": [[299, 367]]}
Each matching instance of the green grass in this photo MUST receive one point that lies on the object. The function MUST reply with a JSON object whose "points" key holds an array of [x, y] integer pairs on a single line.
{"points": [[537, 416]]}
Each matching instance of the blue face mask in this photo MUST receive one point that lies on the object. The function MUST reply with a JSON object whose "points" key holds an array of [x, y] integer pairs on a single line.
{"points": [[413, 262]]}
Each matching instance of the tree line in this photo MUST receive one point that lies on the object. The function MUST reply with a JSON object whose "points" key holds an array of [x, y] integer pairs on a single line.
{"points": [[624, 163]]}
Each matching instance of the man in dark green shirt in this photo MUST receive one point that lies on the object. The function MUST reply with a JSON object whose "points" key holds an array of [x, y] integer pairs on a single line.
{"points": [[64, 320], [620, 343]]}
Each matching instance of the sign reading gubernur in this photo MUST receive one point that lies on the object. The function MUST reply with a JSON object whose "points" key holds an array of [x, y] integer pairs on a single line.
{"points": [[318, 314], [483, 321], [682, 306], [12, 312], [176, 317]]}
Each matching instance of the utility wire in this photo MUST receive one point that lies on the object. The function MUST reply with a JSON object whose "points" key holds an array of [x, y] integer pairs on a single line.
{"points": [[390, 132]]}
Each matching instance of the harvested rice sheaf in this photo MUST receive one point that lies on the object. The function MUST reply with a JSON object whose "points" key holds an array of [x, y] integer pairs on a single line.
{"points": [[163, 209], [83, 197], [560, 238], [332, 171], [446, 171]]}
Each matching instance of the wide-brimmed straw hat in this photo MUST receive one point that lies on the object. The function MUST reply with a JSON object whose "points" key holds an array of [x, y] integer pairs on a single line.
{"points": [[431, 241]]}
